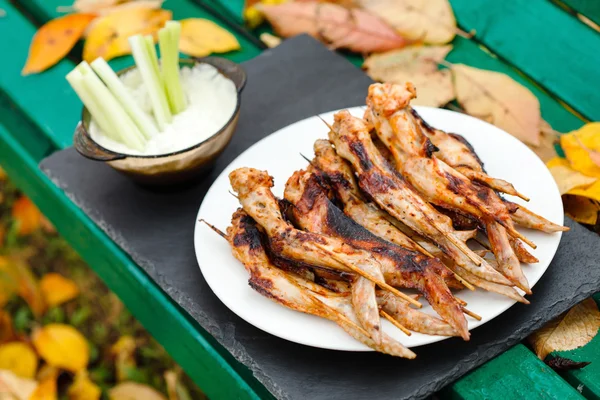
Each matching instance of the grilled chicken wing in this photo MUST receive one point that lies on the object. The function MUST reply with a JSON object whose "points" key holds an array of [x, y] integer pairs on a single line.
{"points": [[284, 289], [394, 195], [314, 212], [528, 219]]}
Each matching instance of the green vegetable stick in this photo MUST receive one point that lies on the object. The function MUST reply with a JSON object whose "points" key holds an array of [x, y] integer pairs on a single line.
{"points": [[114, 84], [145, 60], [169, 57]]}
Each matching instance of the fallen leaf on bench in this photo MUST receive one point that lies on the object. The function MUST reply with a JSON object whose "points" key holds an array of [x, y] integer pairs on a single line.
{"points": [[337, 26], [103, 7], [62, 346], [419, 65], [565, 364], [57, 289], [545, 150], [16, 278], [47, 388], [582, 148], [27, 215], [7, 332], [83, 388], [581, 209], [573, 329], [108, 35], [53, 41], [428, 21], [201, 37], [134, 391], [499, 99], [566, 177], [19, 358], [15, 387]]}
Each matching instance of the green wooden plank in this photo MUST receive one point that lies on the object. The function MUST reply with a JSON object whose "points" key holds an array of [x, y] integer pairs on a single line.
{"points": [[45, 98], [192, 347], [468, 52], [516, 374], [587, 8], [552, 47], [586, 380], [44, 10]]}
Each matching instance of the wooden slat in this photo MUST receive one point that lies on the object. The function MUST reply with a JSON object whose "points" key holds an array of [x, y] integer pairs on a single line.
{"points": [[586, 380], [542, 40], [588, 8], [46, 99], [512, 375]]}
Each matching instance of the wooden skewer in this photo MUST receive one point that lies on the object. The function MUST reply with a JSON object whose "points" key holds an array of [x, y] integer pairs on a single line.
{"points": [[214, 228], [394, 322], [513, 232], [472, 314], [362, 273], [349, 322], [234, 195], [522, 196], [462, 280], [461, 301], [461, 246]]}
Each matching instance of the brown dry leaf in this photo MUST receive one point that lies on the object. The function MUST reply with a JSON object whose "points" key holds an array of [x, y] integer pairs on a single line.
{"points": [[27, 216], [581, 209], [83, 388], [17, 388], [571, 330], [134, 391], [581, 148], [9, 280], [62, 346], [54, 40], [339, 27], [566, 177], [510, 105], [201, 37], [57, 289], [7, 332], [428, 21], [107, 38], [124, 352], [419, 65], [19, 358], [47, 388], [548, 137], [16, 278]]}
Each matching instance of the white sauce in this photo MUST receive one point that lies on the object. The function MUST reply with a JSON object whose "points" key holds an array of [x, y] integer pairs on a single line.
{"points": [[211, 98]]}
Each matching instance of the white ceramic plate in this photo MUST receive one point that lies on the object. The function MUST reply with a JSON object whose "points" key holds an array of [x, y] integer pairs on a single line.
{"points": [[504, 157]]}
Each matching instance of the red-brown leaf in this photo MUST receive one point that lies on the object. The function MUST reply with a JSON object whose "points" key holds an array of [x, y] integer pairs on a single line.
{"points": [[335, 25]]}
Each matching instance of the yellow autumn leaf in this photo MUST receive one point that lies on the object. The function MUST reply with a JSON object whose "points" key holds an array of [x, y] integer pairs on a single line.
{"points": [[419, 65], [7, 332], [27, 215], [134, 391], [201, 37], [15, 387], [573, 329], [108, 35], [252, 15], [499, 99], [47, 388], [577, 146], [15, 271], [124, 350], [83, 388], [104, 7], [566, 177], [581, 209], [57, 289], [9, 281], [19, 358], [428, 21], [62, 346]]}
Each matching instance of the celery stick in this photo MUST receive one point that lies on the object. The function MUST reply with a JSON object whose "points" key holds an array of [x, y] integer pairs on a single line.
{"points": [[121, 122], [148, 67], [114, 84], [75, 79], [168, 41]]}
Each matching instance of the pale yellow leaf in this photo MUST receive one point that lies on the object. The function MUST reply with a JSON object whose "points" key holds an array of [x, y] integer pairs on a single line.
{"points": [[566, 177], [83, 388], [19, 358], [494, 95], [124, 352], [201, 37], [57, 289], [270, 40], [418, 65], [571, 330], [134, 391], [548, 137], [429, 21], [18, 388], [62, 346], [581, 148], [46, 389]]}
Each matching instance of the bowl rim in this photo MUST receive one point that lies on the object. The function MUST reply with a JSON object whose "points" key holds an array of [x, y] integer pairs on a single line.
{"points": [[190, 61]]}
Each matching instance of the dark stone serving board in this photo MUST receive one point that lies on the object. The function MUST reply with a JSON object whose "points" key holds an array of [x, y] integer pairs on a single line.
{"points": [[296, 80]]}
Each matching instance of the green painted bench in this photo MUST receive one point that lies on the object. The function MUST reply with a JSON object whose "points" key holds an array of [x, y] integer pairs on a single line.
{"points": [[38, 114]]}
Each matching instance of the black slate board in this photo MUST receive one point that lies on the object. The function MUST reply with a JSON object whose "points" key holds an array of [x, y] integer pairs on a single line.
{"points": [[298, 79]]}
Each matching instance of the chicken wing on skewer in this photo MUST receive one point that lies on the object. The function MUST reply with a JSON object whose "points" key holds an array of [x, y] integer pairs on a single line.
{"points": [[314, 212], [280, 287], [353, 143]]}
